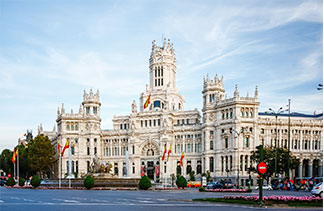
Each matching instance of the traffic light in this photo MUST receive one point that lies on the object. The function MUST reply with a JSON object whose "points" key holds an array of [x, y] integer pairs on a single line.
{"points": [[260, 153]]}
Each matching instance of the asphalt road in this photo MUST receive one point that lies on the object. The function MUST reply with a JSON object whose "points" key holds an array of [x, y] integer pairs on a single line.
{"points": [[48, 200]]}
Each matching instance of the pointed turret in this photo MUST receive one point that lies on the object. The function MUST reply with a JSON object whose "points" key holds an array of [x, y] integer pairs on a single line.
{"points": [[62, 109], [236, 92], [256, 92]]}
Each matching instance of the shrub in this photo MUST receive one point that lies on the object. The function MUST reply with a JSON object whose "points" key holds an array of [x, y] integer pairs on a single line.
{"points": [[192, 176], [10, 182], [88, 182], [21, 182], [202, 189], [249, 190], [145, 183], [181, 182], [35, 181]]}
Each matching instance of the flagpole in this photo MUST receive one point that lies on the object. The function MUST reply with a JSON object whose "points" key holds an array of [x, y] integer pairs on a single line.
{"points": [[59, 169], [18, 163], [70, 165], [14, 170]]}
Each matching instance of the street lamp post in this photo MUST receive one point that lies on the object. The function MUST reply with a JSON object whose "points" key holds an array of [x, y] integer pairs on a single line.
{"points": [[276, 141]]}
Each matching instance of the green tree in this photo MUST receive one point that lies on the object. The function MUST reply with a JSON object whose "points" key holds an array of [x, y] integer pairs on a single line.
{"points": [[145, 183], [88, 182], [283, 158], [24, 168], [41, 155], [192, 176], [5, 161], [181, 182]]}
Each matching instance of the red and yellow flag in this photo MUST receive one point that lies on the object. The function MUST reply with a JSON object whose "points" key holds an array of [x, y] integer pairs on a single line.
{"points": [[181, 159], [59, 147], [169, 152], [147, 102], [165, 150], [67, 144], [14, 155]]}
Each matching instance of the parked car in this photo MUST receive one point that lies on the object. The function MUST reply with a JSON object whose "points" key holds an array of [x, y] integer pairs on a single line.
{"points": [[318, 190], [215, 185], [2, 182], [228, 184], [264, 187]]}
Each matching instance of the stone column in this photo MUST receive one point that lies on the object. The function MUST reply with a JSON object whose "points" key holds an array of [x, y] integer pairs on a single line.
{"points": [[300, 171], [310, 171]]}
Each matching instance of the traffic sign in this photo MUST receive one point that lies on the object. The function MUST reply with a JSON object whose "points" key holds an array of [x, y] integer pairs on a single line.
{"points": [[262, 167]]}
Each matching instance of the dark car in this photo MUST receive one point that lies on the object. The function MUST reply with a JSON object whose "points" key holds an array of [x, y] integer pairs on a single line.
{"points": [[2, 182], [228, 184], [215, 185]]}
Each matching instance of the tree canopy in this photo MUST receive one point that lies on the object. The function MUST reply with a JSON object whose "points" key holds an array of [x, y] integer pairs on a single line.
{"points": [[283, 157], [41, 154]]}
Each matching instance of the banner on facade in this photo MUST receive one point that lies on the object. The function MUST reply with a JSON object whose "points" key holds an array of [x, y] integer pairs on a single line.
{"points": [[157, 170]]}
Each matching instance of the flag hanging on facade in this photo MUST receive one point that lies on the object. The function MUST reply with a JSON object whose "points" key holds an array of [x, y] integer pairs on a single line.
{"points": [[14, 155], [66, 146], [165, 150], [147, 102], [59, 147], [181, 159], [169, 152]]}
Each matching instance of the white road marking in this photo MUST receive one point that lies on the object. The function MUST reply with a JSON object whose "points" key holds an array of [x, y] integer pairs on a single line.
{"points": [[1, 201], [29, 200]]}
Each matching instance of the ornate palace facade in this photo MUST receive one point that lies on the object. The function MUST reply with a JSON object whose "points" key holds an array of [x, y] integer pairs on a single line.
{"points": [[219, 141]]}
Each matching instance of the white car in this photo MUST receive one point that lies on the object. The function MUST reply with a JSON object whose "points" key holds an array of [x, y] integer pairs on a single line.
{"points": [[264, 187], [318, 190]]}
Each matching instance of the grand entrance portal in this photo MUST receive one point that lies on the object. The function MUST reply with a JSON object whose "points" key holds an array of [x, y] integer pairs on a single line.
{"points": [[150, 169]]}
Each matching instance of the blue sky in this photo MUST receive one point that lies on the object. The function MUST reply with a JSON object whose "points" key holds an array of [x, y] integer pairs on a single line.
{"points": [[50, 51]]}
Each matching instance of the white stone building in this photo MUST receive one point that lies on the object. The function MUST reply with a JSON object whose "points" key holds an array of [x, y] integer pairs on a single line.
{"points": [[220, 141]]}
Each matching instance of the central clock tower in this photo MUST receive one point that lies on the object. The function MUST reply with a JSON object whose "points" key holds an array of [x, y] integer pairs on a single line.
{"points": [[164, 96], [162, 66]]}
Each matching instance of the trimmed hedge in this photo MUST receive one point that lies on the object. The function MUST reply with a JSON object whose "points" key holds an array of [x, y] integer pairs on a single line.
{"points": [[181, 182], [21, 182], [10, 182], [145, 183], [35, 181], [88, 182]]}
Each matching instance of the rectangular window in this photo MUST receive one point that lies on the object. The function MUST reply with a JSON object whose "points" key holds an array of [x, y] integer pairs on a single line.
{"points": [[87, 110], [154, 122], [159, 122], [145, 123], [88, 151], [72, 150], [95, 110], [133, 149], [77, 166]]}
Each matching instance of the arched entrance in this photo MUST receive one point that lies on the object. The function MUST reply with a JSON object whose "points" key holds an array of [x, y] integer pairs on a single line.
{"points": [[305, 168], [150, 160], [315, 168]]}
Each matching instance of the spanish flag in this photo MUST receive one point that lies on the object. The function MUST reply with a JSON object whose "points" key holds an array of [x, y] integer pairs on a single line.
{"points": [[181, 159], [59, 147], [165, 150], [147, 102], [14, 155], [169, 152], [67, 144]]}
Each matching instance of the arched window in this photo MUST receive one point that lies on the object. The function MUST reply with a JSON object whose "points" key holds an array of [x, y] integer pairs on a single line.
{"points": [[68, 126], [241, 162], [72, 126], [157, 103], [226, 142], [231, 114], [211, 145], [246, 162], [222, 163], [150, 152], [76, 126], [211, 164], [247, 142]]}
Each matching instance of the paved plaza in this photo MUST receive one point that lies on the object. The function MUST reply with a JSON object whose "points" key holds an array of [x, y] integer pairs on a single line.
{"points": [[29, 199]]}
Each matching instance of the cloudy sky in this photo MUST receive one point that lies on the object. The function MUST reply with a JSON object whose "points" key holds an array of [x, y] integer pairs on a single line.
{"points": [[50, 51]]}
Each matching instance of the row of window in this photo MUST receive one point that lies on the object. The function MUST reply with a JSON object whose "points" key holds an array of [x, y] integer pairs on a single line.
{"points": [[314, 132], [158, 76], [247, 112], [94, 110], [188, 136], [226, 114], [188, 148], [151, 123], [124, 126], [188, 167], [72, 126]]}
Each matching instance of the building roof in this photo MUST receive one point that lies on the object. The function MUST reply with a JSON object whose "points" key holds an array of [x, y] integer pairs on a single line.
{"points": [[293, 114]]}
